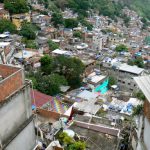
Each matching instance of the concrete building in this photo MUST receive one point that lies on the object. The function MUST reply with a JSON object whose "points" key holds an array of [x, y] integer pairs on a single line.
{"points": [[97, 42], [18, 19], [16, 121], [143, 134], [6, 52], [125, 74]]}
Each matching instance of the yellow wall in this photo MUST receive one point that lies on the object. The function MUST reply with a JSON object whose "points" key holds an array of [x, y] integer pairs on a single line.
{"points": [[18, 21]]}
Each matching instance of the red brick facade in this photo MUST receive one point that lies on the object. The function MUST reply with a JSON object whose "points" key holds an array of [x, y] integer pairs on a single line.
{"points": [[12, 81], [147, 109], [6, 71]]}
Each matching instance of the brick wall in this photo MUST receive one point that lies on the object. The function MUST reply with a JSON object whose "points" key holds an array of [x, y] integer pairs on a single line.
{"points": [[49, 114], [147, 109], [11, 84], [6, 71]]}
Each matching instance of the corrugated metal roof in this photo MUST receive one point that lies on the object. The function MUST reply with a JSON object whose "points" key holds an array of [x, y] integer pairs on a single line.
{"points": [[131, 69], [144, 84]]}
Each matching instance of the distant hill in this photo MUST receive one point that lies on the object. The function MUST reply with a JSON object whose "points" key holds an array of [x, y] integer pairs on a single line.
{"points": [[142, 7], [111, 8]]}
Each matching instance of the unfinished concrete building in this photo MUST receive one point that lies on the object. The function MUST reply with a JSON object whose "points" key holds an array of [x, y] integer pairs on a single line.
{"points": [[16, 120]]}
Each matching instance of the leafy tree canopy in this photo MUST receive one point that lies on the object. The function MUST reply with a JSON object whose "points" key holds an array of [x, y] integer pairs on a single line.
{"points": [[47, 64], [28, 31], [71, 23], [6, 25], [52, 45], [16, 6], [69, 143], [121, 48], [48, 84], [137, 110], [51, 84], [137, 61], [77, 34], [140, 95], [85, 23], [29, 43], [70, 68], [77, 146], [112, 81], [57, 19]]}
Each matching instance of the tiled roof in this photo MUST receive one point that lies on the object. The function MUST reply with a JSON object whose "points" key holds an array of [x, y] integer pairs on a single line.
{"points": [[42, 101], [40, 98]]}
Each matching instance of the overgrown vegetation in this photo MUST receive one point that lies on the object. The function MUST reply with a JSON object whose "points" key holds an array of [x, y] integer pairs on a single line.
{"points": [[140, 6], [16, 6], [137, 110], [28, 31], [138, 61], [139, 95], [52, 45], [69, 143], [55, 72], [77, 34], [121, 48], [6, 25], [112, 81]]}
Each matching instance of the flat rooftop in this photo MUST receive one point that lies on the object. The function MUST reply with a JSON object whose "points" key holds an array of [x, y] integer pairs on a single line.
{"points": [[96, 140]]}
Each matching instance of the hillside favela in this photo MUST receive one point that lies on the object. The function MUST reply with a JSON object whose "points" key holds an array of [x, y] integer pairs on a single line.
{"points": [[74, 74]]}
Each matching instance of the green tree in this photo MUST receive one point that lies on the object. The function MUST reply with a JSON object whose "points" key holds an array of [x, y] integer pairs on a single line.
{"points": [[85, 23], [28, 31], [71, 68], [147, 40], [16, 6], [52, 45], [77, 146], [126, 19], [64, 138], [139, 62], [131, 62], [79, 6], [69, 143], [71, 23], [112, 81], [57, 19], [6, 25], [77, 34], [140, 95], [121, 48], [47, 64], [50, 84], [137, 110], [29, 43]]}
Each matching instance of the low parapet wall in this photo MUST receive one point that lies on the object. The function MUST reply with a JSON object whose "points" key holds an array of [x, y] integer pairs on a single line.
{"points": [[99, 128]]}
